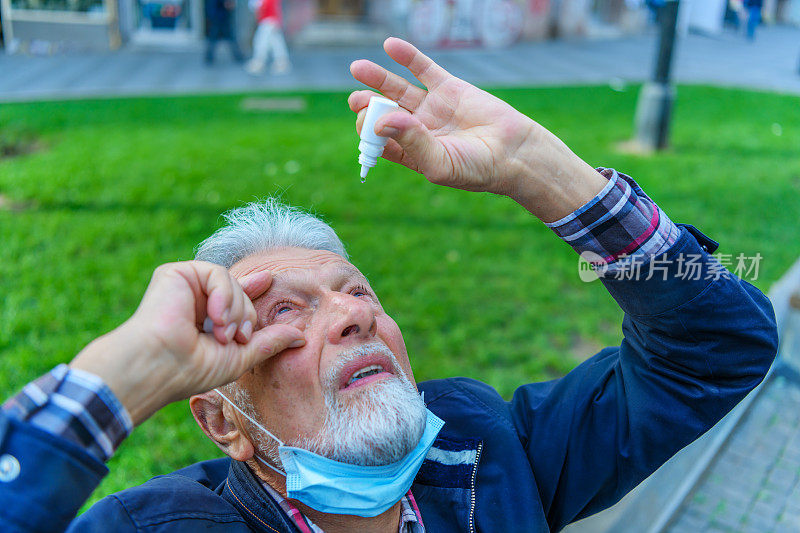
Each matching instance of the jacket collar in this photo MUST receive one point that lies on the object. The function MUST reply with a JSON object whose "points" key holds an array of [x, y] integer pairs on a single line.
{"points": [[261, 512]]}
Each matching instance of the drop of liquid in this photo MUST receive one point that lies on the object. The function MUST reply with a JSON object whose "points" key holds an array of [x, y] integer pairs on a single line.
{"points": [[363, 180]]}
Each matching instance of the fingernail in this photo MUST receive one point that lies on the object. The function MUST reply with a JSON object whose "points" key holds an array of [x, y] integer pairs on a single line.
{"points": [[388, 131], [298, 343], [230, 331], [208, 325], [247, 329]]}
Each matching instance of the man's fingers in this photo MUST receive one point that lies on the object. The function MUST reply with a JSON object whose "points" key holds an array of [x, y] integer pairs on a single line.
{"points": [[220, 304], [360, 120], [359, 100], [233, 359], [416, 142], [252, 286], [268, 342], [237, 310], [256, 284], [239, 313], [390, 84], [227, 306], [242, 317], [247, 323], [421, 66], [216, 283], [394, 152], [381, 123]]}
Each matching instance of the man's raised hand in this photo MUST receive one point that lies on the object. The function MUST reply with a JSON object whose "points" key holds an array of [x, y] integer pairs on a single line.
{"points": [[161, 354], [454, 133], [460, 136]]}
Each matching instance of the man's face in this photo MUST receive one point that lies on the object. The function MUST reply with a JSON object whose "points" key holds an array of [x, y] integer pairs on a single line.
{"points": [[351, 379]]}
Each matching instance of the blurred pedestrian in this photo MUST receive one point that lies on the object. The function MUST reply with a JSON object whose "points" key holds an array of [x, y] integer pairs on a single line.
{"points": [[219, 27], [753, 16], [735, 13], [268, 39]]}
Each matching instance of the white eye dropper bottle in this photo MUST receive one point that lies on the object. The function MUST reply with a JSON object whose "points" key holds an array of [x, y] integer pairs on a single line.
{"points": [[371, 145]]}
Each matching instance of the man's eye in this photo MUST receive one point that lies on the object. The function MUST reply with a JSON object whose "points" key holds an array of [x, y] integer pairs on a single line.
{"points": [[282, 309], [359, 291]]}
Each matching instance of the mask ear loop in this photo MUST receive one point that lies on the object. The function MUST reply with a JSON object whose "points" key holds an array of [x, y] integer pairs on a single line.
{"points": [[259, 426]]}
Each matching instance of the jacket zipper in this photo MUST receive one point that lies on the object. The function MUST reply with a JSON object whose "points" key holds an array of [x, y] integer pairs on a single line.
{"points": [[472, 489]]}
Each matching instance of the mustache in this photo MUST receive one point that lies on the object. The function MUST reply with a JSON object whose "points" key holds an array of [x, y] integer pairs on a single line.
{"points": [[333, 374]]}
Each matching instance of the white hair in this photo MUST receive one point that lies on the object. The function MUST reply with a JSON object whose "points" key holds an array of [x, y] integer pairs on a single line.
{"points": [[264, 226]]}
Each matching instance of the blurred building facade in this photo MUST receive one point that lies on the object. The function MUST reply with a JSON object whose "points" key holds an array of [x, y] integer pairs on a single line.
{"points": [[41, 25]]}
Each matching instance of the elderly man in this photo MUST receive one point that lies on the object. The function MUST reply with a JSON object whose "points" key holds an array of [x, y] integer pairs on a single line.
{"points": [[324, 428]]}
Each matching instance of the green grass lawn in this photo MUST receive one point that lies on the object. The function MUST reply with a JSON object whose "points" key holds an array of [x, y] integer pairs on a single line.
{"points": [[479, 288]]}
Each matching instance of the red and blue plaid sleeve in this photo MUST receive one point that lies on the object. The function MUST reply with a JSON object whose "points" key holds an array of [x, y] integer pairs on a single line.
{"points": [[621, 225], [75, 405]]}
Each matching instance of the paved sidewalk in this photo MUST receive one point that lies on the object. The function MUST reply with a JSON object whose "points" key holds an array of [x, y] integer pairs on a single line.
{"points": [[770, 63], [753, 484]]}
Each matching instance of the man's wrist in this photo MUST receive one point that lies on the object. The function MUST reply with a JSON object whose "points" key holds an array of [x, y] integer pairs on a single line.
{"points": [[549, 180], [126, 363]]}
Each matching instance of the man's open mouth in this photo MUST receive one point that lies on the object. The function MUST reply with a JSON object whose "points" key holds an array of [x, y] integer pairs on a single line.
{"points": [[365, 370]]}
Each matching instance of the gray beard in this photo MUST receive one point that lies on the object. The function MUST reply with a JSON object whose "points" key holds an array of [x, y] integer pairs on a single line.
{"points": [[377, 425]]}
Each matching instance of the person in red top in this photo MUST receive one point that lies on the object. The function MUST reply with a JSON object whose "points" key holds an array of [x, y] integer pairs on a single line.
{"points": [[269, 39]]}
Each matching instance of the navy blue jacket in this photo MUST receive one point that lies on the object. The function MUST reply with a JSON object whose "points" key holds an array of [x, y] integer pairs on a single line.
{"points": [[558, 451]]}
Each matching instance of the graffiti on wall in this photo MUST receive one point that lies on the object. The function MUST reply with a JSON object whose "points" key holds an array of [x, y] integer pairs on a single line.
{"points": [[490, 23]]}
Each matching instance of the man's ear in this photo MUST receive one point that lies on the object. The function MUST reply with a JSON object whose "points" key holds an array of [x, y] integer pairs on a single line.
{"points": [[220, 426]]}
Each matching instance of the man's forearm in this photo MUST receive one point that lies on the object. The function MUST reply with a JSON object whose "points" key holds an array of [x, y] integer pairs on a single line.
{"points": [[549, 180], [129, 370]]}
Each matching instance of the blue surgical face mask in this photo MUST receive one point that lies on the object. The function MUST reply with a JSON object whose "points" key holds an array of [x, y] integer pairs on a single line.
{"points": [[340, 488]]}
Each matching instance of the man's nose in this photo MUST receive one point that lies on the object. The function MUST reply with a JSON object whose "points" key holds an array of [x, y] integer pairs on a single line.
{"points": [[353, 319]]}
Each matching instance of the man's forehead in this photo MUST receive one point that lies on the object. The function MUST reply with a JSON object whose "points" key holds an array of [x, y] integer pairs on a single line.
{"points": [[288, 263], [305, 276]]}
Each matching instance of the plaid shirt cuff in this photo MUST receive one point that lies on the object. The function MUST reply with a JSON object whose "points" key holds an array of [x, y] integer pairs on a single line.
{"points": [[75, 405], [618, 227]]}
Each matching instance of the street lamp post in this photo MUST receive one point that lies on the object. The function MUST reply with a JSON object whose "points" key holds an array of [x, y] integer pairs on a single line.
{"points": [[654, 108]]}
